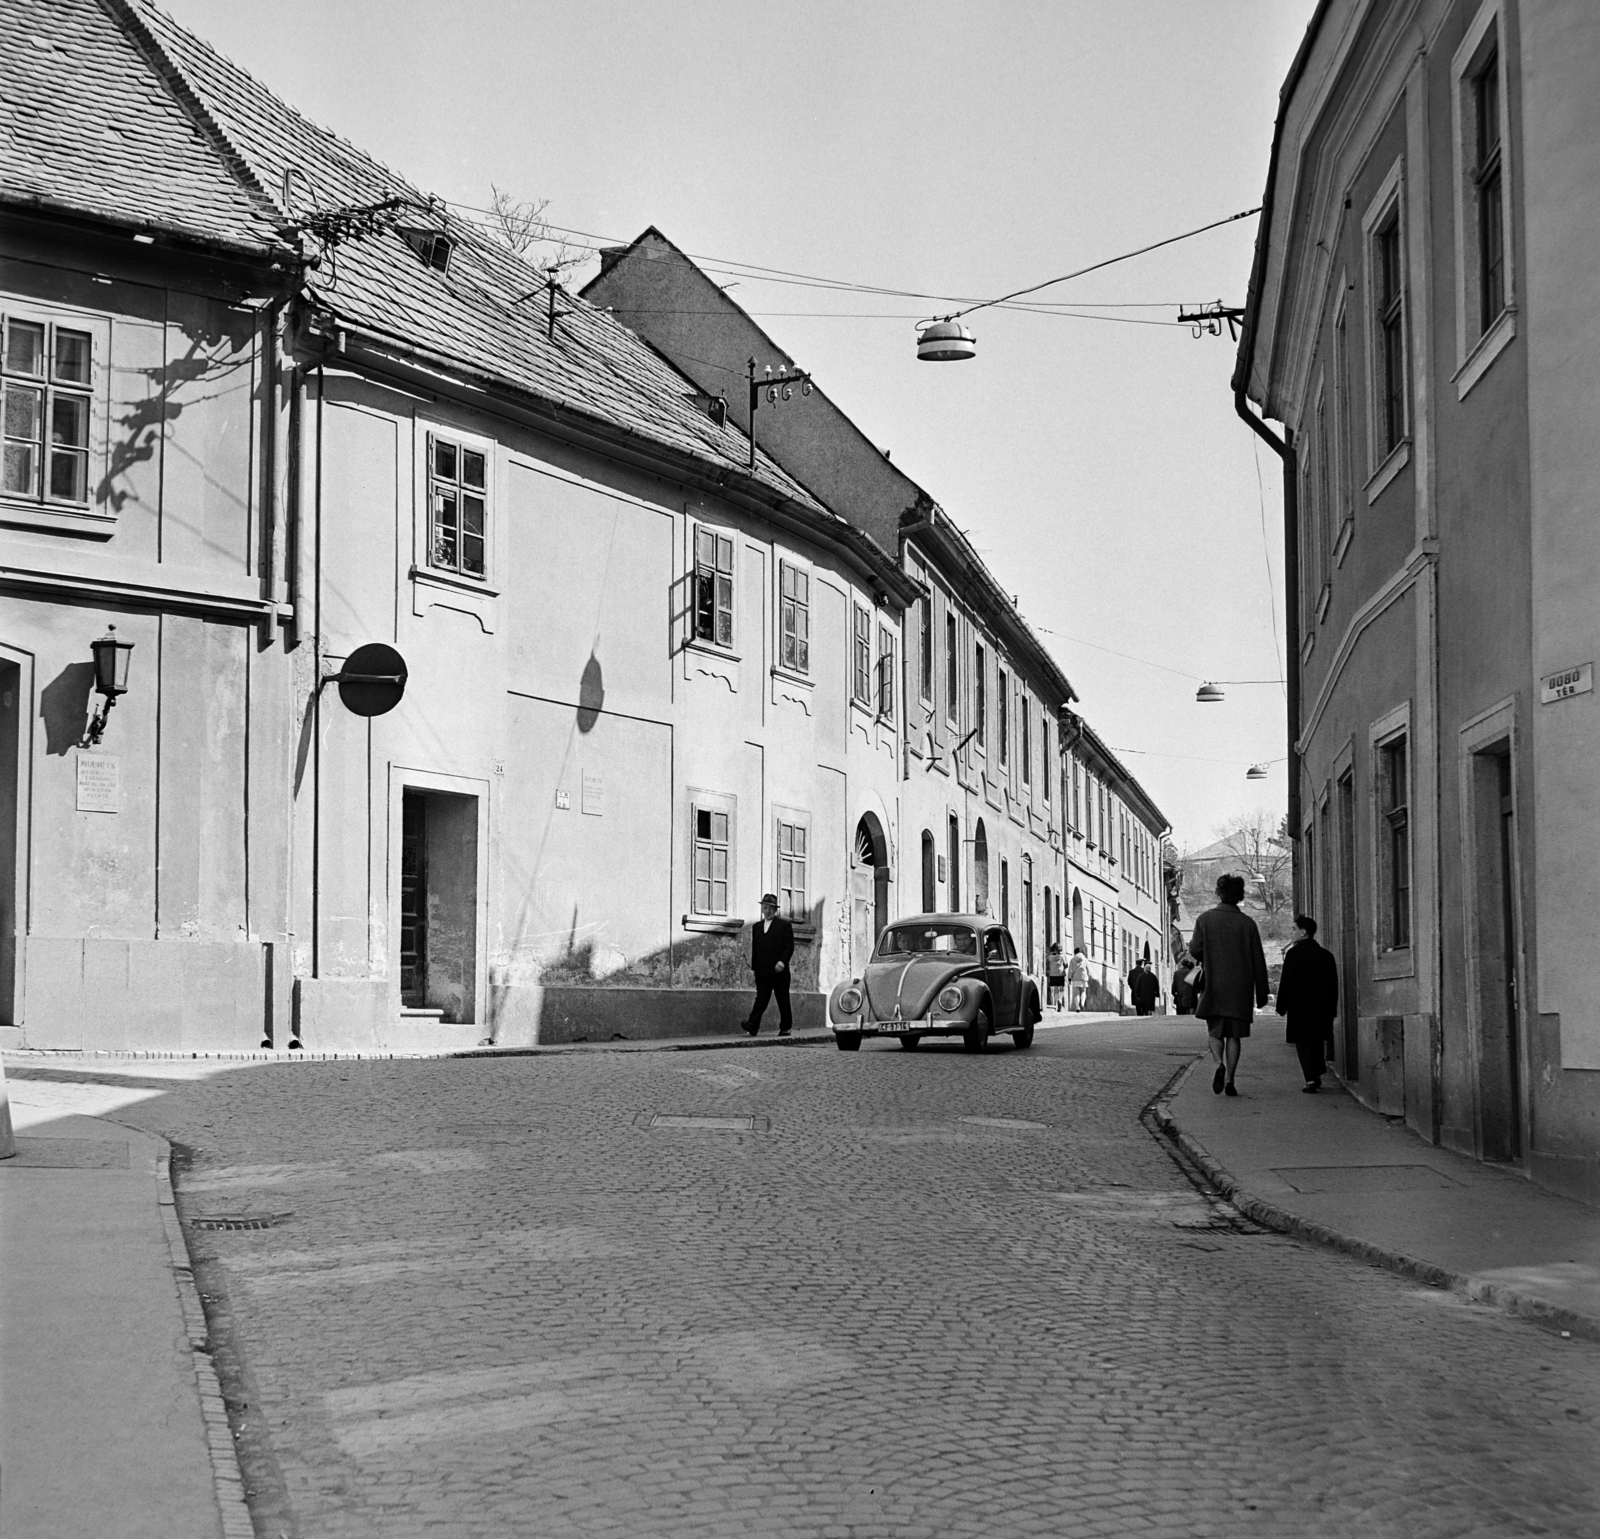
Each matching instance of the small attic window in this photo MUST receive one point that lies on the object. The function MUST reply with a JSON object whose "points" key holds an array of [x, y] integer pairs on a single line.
{"points": [[433, 247]]}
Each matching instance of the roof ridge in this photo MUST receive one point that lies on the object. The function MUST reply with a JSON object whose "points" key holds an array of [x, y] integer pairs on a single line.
{"points": [[126, 14]]}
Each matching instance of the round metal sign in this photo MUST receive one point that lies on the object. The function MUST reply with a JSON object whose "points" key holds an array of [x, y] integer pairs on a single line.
{"points": [[372, 680]]}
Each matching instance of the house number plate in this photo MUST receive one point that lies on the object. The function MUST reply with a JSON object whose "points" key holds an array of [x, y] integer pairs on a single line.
{"points": [[1570, 681]]}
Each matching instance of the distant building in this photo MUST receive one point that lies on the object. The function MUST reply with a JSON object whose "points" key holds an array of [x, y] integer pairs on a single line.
{"points": [[986, 814], [1421, 318]]}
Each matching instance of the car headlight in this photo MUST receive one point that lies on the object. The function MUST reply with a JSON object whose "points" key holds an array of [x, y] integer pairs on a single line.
{"points": [[950, 999], [849, 1001]]}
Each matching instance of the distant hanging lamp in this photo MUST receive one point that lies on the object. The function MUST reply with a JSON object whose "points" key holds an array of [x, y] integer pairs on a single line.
{"points": [[946, 341], [1209, 694], [1256, 772]]}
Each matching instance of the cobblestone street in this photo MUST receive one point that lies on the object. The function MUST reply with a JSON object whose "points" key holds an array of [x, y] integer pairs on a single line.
{"points": [[922, 1294]]}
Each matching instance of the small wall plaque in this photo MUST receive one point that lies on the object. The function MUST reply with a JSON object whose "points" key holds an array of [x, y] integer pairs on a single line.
{"points": [[1569, 682], [99, 783], [594, 796], [563, 801]]}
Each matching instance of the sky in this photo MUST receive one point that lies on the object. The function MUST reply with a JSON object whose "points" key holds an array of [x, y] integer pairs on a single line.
{"points": [[935, 148]]}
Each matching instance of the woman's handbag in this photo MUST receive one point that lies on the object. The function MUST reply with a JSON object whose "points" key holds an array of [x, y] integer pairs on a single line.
{"points": [[1196, 977]]}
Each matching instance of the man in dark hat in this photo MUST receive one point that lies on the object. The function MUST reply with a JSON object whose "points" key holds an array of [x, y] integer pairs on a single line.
{"points": [[771, 948], [1308, 999]]}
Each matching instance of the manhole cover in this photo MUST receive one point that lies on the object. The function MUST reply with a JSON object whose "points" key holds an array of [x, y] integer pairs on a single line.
{"points": [[238, 1220], [1004, 1122], [1364, 1178], [707, 1124]]}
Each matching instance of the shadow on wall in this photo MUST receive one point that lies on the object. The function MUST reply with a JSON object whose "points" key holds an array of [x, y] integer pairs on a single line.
{"points": [[591, 694], [1100, 998], [64, 707], [694, 962]]}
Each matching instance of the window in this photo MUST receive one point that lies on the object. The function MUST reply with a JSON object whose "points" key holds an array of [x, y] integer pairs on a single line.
{"points": [[48, 379], [952, 683], [1486, 180], [1025, 712], [1077, 805], [1391, 343], [791, 864], [886, 673], [713, 586], [1005, 892], [953, 846], [713, 830], [1395, 843], [980, 688], [861, 658], [1044, 758], [458, 507], [1002, 700], [1324, 507], [1341, 405], [794, 617], [925, 645]]}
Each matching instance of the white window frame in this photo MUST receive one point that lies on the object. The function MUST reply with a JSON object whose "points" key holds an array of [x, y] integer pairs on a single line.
{"points": [[861, 674], [463, 444], [1384, 462], [38, 508], [717, 532], [980, 696], [801, 572], [1343, 428], [714, 804], [926, 671], [799, 825], [885, 673], [1025, 736], [1476, 347]]}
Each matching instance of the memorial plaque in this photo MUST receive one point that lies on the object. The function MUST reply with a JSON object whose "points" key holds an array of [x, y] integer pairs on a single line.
{"points": [[594, 796], [99, 783]]}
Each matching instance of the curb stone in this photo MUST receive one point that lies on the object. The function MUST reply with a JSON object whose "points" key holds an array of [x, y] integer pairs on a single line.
{"points": [[225, 1472], [1511, 1300]]}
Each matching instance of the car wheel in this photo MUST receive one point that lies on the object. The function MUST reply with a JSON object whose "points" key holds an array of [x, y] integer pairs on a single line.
{"points": [[974, 1037], [910, 1042], [1023, 1037], [848, 1041]]}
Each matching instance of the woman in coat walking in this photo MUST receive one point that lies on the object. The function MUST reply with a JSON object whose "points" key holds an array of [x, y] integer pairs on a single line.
{"points": [[1308, 999], [1233, 983]]}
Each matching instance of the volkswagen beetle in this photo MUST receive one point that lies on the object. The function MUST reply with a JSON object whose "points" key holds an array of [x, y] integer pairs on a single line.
{"points": [[938, 975]]}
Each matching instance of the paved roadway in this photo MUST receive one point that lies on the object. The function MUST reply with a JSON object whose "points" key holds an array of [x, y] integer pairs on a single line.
{"points": [[930, 1294]]}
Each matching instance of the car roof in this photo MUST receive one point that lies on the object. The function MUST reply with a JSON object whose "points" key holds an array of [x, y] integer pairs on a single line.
{"points": [[977, 921]]}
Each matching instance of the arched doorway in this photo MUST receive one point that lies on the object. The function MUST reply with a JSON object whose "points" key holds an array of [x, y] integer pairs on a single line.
{"points": [[980, 869], [930, 874], [1077, 920], [869, 887]]}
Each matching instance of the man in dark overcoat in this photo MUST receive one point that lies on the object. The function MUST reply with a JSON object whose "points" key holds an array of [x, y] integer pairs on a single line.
{"points": [[771, 949], [1308, 999], [1144, 988], [1233, 983]]}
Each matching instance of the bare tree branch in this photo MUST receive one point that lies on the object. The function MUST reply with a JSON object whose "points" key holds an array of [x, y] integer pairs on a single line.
{"points": [[522, 225]]}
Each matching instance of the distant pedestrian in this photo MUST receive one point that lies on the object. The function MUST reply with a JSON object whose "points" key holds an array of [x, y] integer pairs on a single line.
{"points": [[1308, 999], [1077, 979], [1144, 988], [1055, 974], [1184, 994], [1233, 980], [771, 948]]}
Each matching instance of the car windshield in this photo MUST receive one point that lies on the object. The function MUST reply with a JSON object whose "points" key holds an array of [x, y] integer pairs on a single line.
{"points": [[914, 939]]}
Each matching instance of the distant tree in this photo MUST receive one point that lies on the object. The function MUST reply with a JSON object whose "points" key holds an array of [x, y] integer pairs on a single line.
{"points": [[1260, 842], [520, 226]]}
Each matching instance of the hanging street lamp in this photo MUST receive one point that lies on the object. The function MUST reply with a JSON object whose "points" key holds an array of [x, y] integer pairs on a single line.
{"points": [[946, 341]]}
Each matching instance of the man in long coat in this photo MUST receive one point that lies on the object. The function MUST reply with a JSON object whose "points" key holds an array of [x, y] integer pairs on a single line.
{"points": [[771, 950], [1144, 988], [1308, 999], [1234, 983]]}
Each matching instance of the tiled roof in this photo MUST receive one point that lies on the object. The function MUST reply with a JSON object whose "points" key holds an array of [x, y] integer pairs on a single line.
{"points": [[479, 315], [88, 125]]}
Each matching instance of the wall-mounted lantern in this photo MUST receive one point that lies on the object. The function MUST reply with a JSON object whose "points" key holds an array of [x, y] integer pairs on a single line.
{"points": [[111, 659]]}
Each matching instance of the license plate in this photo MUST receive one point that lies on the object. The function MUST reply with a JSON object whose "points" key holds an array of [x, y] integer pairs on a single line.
{"points": [[894, 1025]]}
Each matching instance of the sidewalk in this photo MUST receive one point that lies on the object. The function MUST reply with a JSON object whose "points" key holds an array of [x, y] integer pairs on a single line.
{"points": [[110, 1416], [1326, 1169]]}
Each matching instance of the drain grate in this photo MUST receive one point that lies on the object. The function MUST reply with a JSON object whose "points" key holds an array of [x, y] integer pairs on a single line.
{"points": [[711, 1124], [239, 1221]]}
